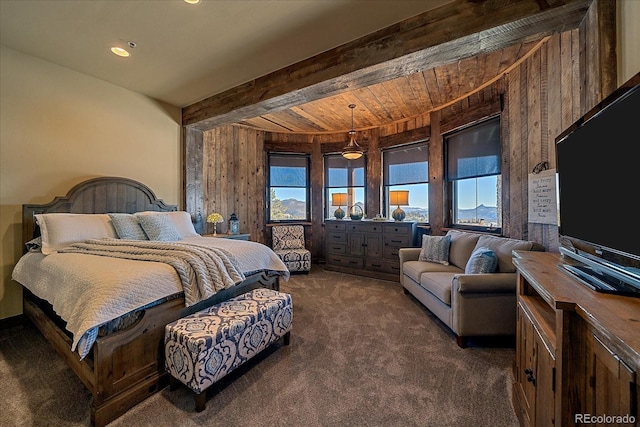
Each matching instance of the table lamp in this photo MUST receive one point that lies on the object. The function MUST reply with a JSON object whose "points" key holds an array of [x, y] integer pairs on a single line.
{"points": [[398, 197], [339, 199]]}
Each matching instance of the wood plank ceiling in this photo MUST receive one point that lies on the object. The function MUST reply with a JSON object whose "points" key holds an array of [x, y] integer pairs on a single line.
{"points": [[396, 100], [395, 74]]}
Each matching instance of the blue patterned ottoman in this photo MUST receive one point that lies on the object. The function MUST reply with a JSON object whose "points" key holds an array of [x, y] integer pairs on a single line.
{"points": [[202, 348]]}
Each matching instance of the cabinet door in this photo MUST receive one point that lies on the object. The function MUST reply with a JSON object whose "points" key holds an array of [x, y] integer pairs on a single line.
{"points": [[355, 244], [364, 245], [535, 373], [613, 383], [373, 245], [527, 363], [544, 382]]}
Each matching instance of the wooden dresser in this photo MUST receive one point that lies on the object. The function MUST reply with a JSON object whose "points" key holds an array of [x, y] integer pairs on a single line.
{"points": [[577, 351], [367, 248]]}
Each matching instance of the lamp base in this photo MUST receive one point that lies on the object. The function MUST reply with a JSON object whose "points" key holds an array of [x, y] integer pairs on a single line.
{"points": [[339, 213], [398, 214]]}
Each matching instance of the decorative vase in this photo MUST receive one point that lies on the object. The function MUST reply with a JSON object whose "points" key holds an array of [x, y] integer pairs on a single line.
{"points": [[356, 213], [398, 214], [215, 228]]}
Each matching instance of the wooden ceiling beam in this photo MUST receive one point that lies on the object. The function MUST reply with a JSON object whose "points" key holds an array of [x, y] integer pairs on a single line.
{"points": [[455, 31]]}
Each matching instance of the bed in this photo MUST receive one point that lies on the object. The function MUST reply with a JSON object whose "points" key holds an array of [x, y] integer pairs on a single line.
{"points": [[122, 365]]}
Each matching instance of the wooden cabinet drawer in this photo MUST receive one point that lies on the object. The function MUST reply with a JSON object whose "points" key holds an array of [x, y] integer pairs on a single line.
{"points": [[364, 227], [336, 238], [345, 261], [336, 248], [334, 226], [398, 229], [383, 266], [391, 252], [397, 240]]}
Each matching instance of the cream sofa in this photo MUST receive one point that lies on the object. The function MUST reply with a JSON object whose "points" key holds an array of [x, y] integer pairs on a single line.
{"points": [[469, 304]]}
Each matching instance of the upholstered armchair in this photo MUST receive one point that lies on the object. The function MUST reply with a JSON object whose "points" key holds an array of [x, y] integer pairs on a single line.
{"points": [[288, 244]]}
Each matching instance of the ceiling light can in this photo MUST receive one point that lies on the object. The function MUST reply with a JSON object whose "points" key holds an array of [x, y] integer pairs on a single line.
{"points": [[119, 51]]}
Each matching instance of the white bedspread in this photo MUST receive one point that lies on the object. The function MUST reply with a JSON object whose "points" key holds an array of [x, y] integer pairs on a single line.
{"points": [[87, 291]]}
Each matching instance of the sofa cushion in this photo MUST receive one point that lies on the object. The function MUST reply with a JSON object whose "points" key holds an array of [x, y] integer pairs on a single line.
{"points": [[462, 245], [439, 284], [503, 246], [414, 269], [435, 249], [482, 260]]}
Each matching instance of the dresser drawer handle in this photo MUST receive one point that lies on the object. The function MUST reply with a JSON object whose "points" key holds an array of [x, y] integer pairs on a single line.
{"points": [[336, 248], [353, 262], [376, 265], [396, 241]]}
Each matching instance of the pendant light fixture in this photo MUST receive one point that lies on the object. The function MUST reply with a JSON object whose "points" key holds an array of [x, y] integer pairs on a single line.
{"points": [[352, 151]]}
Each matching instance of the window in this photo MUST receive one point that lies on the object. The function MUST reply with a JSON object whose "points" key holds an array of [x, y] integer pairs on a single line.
{"points": [[344, 176], [474, 176], [288, 187], [407, 168]]}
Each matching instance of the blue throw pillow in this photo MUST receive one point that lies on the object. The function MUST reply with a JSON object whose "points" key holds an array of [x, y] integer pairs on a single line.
{"points": [[127, 226], [159, 227], [435, 249], [482, 260]]}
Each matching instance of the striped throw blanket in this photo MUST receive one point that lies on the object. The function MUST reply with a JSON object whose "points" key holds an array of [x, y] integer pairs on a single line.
{"points": [[203, 271]]}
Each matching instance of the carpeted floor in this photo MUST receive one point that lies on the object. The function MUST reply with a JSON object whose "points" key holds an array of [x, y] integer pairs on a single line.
{"points": [[362, 353]]}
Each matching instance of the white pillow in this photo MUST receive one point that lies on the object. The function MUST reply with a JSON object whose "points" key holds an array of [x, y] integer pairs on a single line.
{"points": [[59, 230], [181, 219]]}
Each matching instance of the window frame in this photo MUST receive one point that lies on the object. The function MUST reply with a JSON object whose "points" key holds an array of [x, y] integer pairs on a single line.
{"points": [[451, 184], [386, 187], [328, 212], [307, 187]]}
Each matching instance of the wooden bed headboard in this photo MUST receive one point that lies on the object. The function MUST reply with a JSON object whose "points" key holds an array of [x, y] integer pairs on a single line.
{"points": [[97, 195]]}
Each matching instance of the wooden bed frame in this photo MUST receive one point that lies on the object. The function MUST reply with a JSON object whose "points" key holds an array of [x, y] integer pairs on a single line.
{"points": [[125, 367]]}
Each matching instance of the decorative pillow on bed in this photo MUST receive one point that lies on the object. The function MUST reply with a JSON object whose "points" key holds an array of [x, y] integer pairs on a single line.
{"points": [[127, 226], [59, 230], [159, 227], [482, 260], [435, 249], [181, 219]]}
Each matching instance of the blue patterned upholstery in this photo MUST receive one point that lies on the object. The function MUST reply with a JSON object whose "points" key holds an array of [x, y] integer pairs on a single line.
{"points": [[202, 348], [288, 244]]}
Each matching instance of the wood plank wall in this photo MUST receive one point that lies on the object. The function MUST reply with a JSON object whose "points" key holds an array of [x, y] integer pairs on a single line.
{"points": [[538, 99], [234, 178], [550, 90]]}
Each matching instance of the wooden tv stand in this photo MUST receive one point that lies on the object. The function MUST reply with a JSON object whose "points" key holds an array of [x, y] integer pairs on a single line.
{"points": [[577, 351]]}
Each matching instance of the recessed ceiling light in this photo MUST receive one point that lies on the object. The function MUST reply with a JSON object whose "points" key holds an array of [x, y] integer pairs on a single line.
{"points": [[192, 1], [119, 51]]}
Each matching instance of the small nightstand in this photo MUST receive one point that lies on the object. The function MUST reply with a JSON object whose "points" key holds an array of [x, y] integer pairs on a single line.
{"points": [[229, 236]]}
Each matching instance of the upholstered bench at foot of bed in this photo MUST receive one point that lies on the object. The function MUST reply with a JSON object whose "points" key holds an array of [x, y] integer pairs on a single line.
{"points": [[202, 348]]}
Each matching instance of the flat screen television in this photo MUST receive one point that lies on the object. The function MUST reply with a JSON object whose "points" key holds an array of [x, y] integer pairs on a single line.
{"points": [[599, 189]]}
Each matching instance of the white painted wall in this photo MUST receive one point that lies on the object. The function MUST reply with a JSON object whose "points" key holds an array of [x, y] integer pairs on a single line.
{"points": [[59, 127]]}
